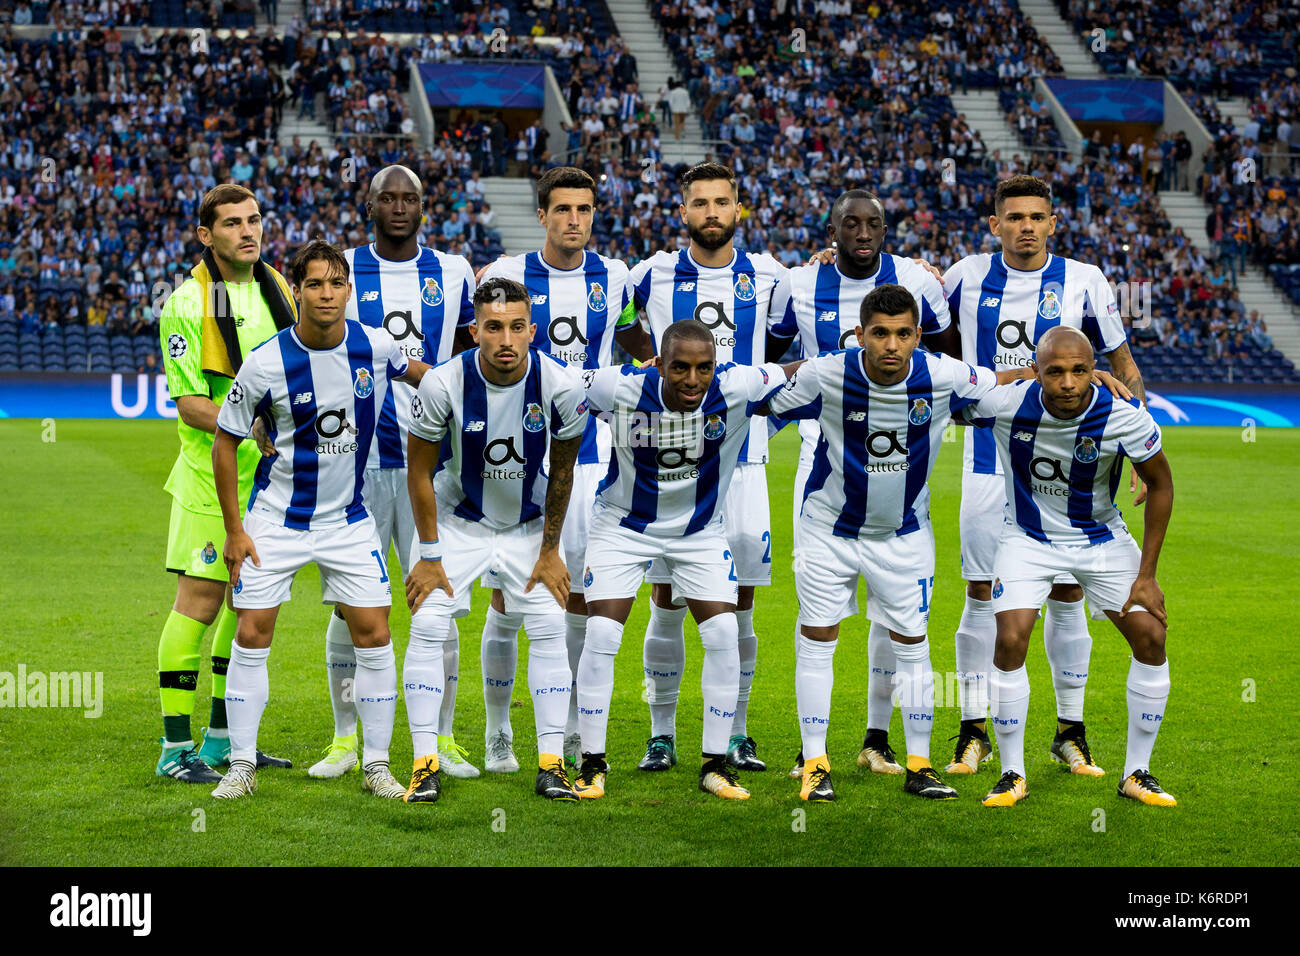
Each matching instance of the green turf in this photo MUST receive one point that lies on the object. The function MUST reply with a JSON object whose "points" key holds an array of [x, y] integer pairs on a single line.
{"points": [[82, 545]]}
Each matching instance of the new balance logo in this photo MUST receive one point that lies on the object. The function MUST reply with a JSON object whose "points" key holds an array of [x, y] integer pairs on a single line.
{"points": [[302, 398], [686, 287], [857, 416], [475, 426], [991, 301], [828, 316], [539, 300], [371, 296], [1023, 436]]}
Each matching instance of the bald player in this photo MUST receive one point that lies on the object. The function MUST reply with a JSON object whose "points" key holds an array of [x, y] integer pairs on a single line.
{"points": [[423, 299]]}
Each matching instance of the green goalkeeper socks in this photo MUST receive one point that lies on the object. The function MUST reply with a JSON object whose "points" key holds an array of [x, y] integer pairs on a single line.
{"points": [[178, 673], [222, 637]]}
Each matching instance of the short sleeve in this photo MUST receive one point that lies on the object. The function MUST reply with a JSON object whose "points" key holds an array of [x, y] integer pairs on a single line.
{"points": [[970, 383], [238, 411], [984, 412], [1101, 319], [952, 288], [467, 297], [1140, 439], [570, 406], [801, 397], [601, 386], [781, 321], [180, 328], [431, 407], [757, 383], [935, 316]]}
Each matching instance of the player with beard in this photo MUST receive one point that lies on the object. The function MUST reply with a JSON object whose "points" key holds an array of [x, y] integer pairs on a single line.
{"points": [[424, 299], [730, 291], [820, 303]]}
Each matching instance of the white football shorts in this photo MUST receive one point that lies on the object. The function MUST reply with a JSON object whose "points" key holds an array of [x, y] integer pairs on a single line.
{"points": [[898, 569], [389, 503], [982, 520], [698, 565], [1025, 570], [352, 572]]}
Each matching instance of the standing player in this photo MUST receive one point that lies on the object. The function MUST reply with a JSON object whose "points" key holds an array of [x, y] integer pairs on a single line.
{"points": [[821, 304], [730, 292], [1062, 442], [322, 383], [1004, 303], [499, 408], [423, 299], [577, 299], [678, 430], [233, 303]]}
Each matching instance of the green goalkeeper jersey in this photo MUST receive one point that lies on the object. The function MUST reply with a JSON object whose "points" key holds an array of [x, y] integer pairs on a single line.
{"points": [[180, 327]]}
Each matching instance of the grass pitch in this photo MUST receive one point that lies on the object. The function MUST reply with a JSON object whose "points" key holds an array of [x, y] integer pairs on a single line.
{"points": [[82, 544]]}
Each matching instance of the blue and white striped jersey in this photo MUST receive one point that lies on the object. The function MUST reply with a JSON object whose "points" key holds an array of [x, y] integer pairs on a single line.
{"points": [[324, 405], [878, 443], [670, 470], [420, 303], [577, 312], [1003, 312], [823, 306], [495, 438], [733, 300], [1062, 475]]}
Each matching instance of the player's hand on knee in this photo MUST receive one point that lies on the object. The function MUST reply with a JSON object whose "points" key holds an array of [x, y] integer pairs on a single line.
{"points": [[1112, 384], [238, 547], [551, 571], [425, 578], [1147, 593]]}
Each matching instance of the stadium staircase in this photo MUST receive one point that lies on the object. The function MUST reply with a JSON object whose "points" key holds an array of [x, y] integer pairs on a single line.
{"points": [[1059, 33], [290, 126], [654, 66], [515, 205], [984, 113]]}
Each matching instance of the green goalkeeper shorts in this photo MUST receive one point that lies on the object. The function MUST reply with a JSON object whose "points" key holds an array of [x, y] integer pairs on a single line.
{"points": [[194, 544]]}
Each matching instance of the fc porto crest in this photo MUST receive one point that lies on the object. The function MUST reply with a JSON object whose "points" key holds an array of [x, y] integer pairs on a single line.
{"points": [[1086, 451], [209, 553], [1049, 306], [920, 413], [587, 578], [744, 287], [596, 300], [714, 427], [364, 386], [997, 587], [431, 294], [534, 420]]}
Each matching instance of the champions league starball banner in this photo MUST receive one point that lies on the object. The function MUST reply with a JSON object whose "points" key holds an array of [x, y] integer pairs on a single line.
{"points": [[507, 86], [72, 395]]}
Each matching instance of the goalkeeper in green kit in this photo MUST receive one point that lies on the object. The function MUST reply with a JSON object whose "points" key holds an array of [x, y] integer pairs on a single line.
{"points": [[232, 303]]}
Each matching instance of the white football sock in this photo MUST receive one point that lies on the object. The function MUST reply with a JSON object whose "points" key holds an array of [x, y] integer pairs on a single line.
{"points": [[1148, 692], [663, 657], [814, 676], [596, 681], [451, 680], [880, 677], [1009, 707], [915, 683], [719, 679], [500, 650], [247, 691], [747, 644], [976, 635], [575, 632], [550, 682], [424, 681], [376, 701], [341, 669], [1069, 649]]}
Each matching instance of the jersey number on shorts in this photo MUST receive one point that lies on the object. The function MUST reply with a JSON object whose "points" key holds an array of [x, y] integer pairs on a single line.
{"points": [[383, 571], [767, 539], [731, 575], [925, 594]]}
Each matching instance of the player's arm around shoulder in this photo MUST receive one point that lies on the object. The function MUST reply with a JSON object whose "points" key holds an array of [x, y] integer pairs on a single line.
{"points": [[798, 391]]}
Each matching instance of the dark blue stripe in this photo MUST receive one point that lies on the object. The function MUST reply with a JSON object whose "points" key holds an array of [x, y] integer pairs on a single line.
{"points": [[706, 486], [1053, 278], [361, 354], [888, 271], [645, 481], [745, 312], [684, 302], [433, 318], [1083, 474], [857, 398], [598, 326], [262, 477], [986, 344], [1090, 326], [297, 378], [534, 442], [826, 298], [1026, 419], [365, 277], [821, 469], [537, 279], [473, 403], [919, 388]]}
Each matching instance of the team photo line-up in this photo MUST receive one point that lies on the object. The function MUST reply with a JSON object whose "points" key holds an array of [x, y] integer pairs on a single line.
{"points": [[386, 395]]}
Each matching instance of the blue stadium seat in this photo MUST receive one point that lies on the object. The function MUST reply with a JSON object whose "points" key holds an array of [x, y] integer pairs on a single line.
{"points": [[9, 366]]}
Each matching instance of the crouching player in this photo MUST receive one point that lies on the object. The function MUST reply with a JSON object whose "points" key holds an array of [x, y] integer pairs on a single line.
{"points": [[678, 427], [322, 383], [1062, 442], [489, 416]]}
